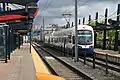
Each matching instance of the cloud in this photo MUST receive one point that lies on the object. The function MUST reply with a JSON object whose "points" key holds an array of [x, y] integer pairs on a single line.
{"points": [[53, 14]]}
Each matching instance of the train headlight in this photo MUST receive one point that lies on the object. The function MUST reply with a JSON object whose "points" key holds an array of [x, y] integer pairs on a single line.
{"points": [[79, 47], [91, 47]]}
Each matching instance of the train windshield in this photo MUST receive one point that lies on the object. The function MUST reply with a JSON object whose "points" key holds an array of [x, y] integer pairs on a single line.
{"points": [[84, 37]]}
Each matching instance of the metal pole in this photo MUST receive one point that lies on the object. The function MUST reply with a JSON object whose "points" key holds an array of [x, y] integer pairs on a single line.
{"points": [[26, 8], [43, 31], [9, 47], [89, 19], [64, 47], [18, 41], [106, 64], [93, 60], [104, 36], [85, 58], [76, 38], [117, 33], [83, 20], [95, 35], [4, 6], [6, 53], [79, 21], [7, 7], [30, 41]]}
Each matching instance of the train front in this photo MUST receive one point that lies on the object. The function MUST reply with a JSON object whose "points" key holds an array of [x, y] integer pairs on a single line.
{"points": [[85, 42]]}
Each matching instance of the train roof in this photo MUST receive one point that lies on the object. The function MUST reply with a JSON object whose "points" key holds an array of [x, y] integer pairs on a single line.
{"points": [[78, 27], [72, 29]]}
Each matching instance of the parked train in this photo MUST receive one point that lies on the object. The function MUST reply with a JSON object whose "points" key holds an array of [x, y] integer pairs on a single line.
{"points": [[65, 38]]}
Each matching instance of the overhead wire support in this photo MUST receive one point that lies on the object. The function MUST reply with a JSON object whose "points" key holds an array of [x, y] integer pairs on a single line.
{"points": [[67, 20]]}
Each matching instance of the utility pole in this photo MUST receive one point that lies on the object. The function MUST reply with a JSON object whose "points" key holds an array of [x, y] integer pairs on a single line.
{"points": [[43, 31], [76, 32]]}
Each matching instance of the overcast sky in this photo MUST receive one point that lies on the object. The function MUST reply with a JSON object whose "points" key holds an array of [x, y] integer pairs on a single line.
{"points": [[52, 10]]}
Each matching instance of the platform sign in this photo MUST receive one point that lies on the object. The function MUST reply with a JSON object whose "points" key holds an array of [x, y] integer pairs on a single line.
{"points": [[28, 33]]}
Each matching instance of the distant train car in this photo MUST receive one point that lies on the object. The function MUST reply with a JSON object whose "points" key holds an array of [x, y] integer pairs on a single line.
{"points": [[66, 38]]}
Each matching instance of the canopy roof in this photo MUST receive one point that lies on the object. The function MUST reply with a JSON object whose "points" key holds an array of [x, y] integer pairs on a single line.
{"points": [[16, 14], [21, 2]]}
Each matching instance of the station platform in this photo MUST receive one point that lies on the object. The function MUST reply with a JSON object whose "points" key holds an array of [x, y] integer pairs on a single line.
{"points": [[19, 67], [109, 52], [25, 66]]}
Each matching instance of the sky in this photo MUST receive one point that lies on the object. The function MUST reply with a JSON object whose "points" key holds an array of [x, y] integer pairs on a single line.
{"points": [[51, 10]]}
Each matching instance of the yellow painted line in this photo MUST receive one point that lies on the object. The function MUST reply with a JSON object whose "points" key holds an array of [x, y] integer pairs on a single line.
{"points": [[42, 72], [48, 77], [39, 65]]}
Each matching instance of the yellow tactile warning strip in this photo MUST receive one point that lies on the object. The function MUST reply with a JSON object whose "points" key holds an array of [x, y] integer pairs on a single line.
{"points": [[39, 65], [42, 72], [47, 77]]}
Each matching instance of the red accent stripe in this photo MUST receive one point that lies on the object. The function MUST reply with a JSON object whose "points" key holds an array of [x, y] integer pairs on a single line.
{"points": [[11, 17], [14, 16], [36, 12]]}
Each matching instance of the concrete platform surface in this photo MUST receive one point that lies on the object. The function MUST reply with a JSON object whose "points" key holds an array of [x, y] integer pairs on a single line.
{"points": [[109, 52], [20, 67]]}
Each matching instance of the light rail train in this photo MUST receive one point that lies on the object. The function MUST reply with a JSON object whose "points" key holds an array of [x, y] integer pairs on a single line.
{"points": [[65, 38]]}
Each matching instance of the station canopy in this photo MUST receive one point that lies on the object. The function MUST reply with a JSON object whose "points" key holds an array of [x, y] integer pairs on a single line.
{"points": [[14, 18], [21, 2], [16, 14]]}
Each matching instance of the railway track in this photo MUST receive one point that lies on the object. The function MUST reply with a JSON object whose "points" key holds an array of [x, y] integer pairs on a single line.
{"points": [[100, 65], [60, 67], [100, 59]]}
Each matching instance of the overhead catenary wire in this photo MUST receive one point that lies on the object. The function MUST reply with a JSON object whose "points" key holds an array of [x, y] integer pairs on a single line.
{"points": [[47, 4], [65, 11], [80, 5]]}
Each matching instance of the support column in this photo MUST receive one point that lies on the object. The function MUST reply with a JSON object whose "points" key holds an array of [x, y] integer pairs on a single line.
{"points": [[104, 36], [95, 35], [117, 33], [18, 41], [30, 41]]}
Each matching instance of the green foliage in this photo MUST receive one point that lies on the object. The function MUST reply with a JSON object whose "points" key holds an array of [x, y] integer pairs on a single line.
{"points": [[111, 35], [100, 35], [92, 23]]}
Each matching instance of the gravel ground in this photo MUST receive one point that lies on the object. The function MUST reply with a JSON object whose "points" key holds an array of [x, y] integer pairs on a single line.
{"points": [[97, 74], [61, 70]]}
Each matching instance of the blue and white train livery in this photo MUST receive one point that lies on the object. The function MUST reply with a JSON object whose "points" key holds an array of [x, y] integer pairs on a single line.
{"points": [[66, 38]]}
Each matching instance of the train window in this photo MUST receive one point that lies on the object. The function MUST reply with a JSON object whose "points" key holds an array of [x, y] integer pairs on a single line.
{"points": [[84, 37]]}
